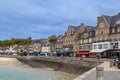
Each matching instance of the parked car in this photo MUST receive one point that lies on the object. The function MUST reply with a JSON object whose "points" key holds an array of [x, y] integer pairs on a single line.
{"points": [[44, 54], [58, 54], [12, 53], [117, 62], [36, 53]]}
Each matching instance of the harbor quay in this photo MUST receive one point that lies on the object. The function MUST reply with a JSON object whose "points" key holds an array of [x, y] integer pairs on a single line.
{"points": [[84, 69]]}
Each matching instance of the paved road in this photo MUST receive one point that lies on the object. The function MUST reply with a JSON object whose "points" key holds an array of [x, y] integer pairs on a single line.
{"points": [[110, 73]]}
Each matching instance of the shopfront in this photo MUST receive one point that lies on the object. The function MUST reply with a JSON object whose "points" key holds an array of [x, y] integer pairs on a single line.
{"points": [[82, 53]]}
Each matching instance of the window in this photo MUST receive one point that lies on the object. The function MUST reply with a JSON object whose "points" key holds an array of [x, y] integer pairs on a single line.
{"points": [[84, 41], [106, 31], [116, 45], [94, 46], [118, 21], [119, 37], [113, 30], [101, 25], [88, 46], [90, 40], [112, 38], [81, 41], [105, 46], [118, 29], [101, 32], [80, 47], [99, 46]]}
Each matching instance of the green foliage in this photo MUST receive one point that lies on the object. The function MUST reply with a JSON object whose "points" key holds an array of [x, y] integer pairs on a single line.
{"points": [[14, 41], [53, 39]]}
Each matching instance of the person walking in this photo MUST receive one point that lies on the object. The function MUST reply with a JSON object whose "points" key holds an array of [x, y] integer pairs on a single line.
{"points": [[98, 57]]}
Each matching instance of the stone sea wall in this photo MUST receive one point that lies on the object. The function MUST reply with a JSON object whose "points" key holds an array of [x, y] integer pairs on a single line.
{"points": [[60, 64]]}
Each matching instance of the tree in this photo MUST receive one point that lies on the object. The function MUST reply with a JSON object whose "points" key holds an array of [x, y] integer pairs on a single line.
{"points": [[14, 41], [53, 39]]}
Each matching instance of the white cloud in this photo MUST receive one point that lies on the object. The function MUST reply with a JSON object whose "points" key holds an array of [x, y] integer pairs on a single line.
{"points": [[22, 18]]}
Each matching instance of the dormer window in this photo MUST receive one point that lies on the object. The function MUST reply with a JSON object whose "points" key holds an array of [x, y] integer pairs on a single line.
{"points": [[113, 30], [101, 25], [118, 21], [118, 29], [106, 31], [72, 33], [101, 32]]}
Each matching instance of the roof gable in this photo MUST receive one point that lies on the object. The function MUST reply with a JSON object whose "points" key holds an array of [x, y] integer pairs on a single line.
{"points": [[72, 29], [111, 20]]}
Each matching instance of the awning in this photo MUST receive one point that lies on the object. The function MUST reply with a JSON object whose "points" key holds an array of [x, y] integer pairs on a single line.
{"points": [[98, 50], [83, 52]]}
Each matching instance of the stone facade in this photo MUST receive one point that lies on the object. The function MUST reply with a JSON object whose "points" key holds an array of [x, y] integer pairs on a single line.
{"points": [[59, 44], [84, 40], [102, 30], [69, 39], [107, 36], [77, 37]]}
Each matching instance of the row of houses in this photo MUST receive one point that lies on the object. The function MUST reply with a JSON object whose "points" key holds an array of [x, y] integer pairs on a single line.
{"points": [[41, 45], [103, 39]]}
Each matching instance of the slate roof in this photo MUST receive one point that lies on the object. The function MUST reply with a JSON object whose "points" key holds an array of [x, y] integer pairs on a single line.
{"points": [[112, 19], [74, 28], [91, 28]]}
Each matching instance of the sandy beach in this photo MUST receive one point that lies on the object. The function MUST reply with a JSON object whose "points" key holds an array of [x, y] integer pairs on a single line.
{"points": [[11, 62]]}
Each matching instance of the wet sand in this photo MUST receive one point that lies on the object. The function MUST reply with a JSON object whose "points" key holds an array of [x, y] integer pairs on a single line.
{"points": [[11, 62]]}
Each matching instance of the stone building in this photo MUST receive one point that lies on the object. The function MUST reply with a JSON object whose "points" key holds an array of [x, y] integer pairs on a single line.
{"points": [[45, 45], [59, 44], [107, 37], [68, 40], [85, 40], [76, 38]]}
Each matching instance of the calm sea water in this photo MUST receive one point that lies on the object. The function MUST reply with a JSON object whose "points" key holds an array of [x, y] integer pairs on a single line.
{"points": [[16, 72]]}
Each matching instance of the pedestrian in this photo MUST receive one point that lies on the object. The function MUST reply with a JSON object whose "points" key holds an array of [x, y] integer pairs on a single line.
{"points": [[98, 57]]}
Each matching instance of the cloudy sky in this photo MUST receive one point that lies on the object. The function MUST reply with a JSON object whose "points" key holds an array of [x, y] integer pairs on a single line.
{"points": [[42, 18]]}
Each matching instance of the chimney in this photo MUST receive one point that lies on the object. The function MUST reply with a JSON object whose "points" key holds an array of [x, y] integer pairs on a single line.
{"points": [[82, 24]]}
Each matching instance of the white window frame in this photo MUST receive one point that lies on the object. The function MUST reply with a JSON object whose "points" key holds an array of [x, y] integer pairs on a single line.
{"points": [[113, 30], [90, 40], [105, 46], [118, 21], [101, 25], [118, 29], [95, 46]]}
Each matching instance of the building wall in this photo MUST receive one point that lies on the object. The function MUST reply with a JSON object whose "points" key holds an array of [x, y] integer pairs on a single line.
{"points": [[102, 30], [80, 30], [46, 49]]}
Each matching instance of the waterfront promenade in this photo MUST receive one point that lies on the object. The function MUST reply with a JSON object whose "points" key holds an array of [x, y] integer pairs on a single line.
{"points": [[110, 73]]}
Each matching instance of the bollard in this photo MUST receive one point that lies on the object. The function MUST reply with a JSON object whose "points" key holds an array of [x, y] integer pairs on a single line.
{"points": [[111, 63], [99, 73]]}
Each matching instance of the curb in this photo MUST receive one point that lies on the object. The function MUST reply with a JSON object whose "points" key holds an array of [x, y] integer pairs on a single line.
{"points": [[85, 74]]}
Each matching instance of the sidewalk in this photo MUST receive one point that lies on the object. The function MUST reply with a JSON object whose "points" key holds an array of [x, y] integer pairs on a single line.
{"points": [[110, 73]]}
